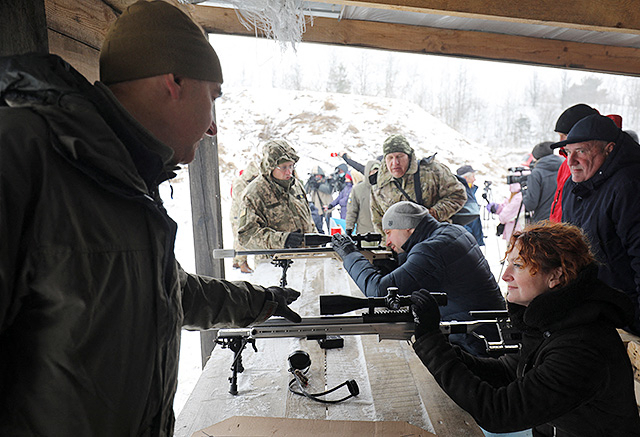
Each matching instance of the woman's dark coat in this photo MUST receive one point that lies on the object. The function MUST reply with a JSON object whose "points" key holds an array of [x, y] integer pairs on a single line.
{"points": [[572, 374]]}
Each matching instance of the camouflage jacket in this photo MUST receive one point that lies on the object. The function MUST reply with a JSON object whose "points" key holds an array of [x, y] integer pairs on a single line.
{"points": [[269, 210], [239, 184], [442, 193]]}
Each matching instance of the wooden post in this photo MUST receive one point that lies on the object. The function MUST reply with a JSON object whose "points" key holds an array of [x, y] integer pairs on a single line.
{"points": [[206, 212], [24, 27]]}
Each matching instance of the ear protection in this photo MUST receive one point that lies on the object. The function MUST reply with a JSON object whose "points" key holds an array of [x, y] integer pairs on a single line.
{"points": [[299, 363]]}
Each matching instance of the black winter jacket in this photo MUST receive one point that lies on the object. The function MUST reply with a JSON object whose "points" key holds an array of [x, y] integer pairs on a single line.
{"points": [[541, 186], [606, 207], [572, 376], [92, 300]]}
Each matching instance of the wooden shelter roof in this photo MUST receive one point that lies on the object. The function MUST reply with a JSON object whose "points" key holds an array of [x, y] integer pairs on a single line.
{"points": [[592, 35]]}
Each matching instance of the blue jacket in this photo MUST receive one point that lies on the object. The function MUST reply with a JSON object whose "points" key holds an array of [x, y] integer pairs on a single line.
{"points": [[439, 257], [472, 205], [606, 207], [342, 200]]}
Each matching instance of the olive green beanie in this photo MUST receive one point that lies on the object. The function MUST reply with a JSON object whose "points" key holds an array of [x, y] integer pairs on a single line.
{"points": [[396, 143], [152, 38]]}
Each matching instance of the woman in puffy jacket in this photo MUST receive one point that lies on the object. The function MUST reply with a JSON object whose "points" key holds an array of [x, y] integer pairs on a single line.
{"points": [[572, 376]]}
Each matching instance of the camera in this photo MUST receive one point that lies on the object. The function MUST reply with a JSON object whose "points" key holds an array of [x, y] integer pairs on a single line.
{"points": [[518, 175]]}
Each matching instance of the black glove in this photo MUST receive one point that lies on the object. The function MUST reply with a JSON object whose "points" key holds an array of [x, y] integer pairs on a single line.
{"points": [[294, 239], [283, 297], [426, 313], [343, 245]]}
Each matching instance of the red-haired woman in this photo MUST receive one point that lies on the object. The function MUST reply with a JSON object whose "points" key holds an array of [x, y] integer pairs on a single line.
{"points": [[572, 376]]}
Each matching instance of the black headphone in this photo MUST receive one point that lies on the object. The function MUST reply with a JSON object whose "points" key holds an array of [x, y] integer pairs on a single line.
{"points": [[299, 363]]}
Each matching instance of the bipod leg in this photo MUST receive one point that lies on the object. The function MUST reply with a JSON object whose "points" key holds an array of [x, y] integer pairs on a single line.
{"points": [[237, 345], [285, 264]]}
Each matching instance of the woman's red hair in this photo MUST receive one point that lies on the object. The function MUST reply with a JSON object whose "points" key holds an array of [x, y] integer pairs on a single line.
{"points": [[545, 246]]}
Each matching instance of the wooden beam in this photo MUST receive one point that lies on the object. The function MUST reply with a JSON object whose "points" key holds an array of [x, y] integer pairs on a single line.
{"points": [[23, 28], [206, 213], [86, 22], [466, 44], [81, 57], [597, 15]]}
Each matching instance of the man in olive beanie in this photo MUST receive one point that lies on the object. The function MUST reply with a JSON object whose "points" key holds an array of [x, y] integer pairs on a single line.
{"points": [[404, 177], [433, 255], [93, 299]]}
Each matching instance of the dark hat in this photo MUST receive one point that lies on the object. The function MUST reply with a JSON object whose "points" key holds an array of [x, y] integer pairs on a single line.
{"points": [[573, 115], [593, 127], [152, 38], [464, 170], [396, 143], [542, 149]]}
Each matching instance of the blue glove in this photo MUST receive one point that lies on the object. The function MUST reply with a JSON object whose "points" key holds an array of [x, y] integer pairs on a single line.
{"points": [[343, 245], [492, 207], [426, 313]]}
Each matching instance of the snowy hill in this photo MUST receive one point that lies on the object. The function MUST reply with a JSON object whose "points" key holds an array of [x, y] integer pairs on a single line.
{"points": [[317, 124]]}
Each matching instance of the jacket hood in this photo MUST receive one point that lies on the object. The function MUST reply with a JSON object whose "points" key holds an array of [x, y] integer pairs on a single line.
{"points": [[77, 112], [274, 153], [367, 169], [317, 170], [584, 300]]}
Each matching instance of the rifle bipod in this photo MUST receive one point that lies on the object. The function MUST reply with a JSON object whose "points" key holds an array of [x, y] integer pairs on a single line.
{"points": [[285, 264], [236, 345]]}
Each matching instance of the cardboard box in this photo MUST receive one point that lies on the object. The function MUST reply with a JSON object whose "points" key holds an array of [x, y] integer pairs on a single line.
{"points": [[284, 427]]}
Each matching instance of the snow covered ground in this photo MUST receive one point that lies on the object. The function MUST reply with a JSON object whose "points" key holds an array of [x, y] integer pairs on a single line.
{"points": [[317, 124]]}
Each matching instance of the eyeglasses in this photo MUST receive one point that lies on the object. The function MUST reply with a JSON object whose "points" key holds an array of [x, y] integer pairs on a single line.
{"points": [[286, 168]]}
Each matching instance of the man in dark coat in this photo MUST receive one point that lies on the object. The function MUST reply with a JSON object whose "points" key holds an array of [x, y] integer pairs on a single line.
{"points": [[601, 197], [541, 183], [92, 298], [434, 255]]}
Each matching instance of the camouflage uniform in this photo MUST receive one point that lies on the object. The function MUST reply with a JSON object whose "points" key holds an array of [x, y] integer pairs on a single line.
{"points": [[271, 209], [442, 193], [239, 184]]}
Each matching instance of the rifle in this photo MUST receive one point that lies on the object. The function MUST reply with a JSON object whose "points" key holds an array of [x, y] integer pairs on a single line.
{"points": [[394, 323], [314, 246]]}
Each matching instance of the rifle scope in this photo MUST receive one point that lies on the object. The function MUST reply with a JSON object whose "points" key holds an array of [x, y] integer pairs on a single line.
{"points": [[340, 304]]}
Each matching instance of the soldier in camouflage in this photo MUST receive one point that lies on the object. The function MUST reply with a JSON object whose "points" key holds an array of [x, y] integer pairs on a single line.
{"points": [[237, 188], [439, 189], [275, 212]]}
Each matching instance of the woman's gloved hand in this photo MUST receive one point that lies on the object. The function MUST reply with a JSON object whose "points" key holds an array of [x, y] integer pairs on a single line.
{"points": [[426, 313]]}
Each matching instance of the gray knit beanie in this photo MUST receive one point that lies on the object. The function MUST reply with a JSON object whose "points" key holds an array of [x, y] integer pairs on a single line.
{"points": [[404, 215]]}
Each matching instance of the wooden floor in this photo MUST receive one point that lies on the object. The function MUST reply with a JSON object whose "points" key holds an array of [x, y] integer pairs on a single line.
{"points": [[394, 385]]}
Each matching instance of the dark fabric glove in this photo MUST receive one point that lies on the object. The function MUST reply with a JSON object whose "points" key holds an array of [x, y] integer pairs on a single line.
{"points": [[294, 239], [426, 313], [283, 297], [343, 245]]}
